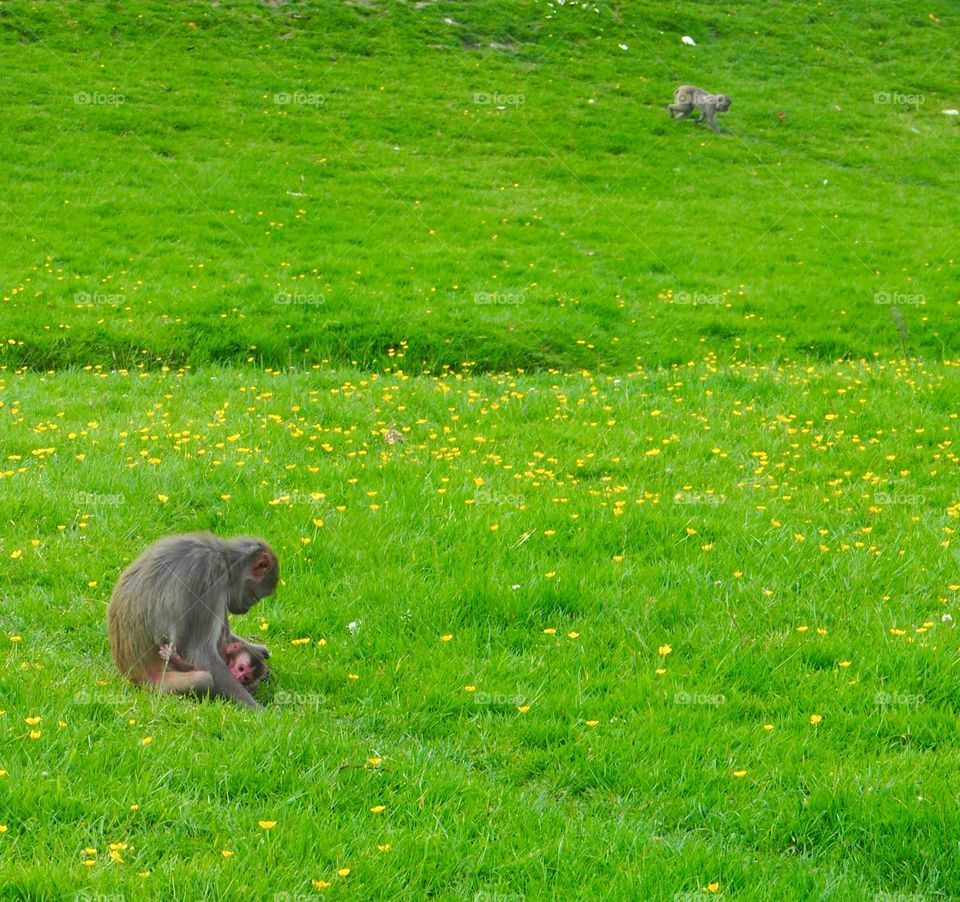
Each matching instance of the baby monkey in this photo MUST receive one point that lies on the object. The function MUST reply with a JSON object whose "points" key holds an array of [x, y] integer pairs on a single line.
{"points": [[246, 669], [688, 98]]}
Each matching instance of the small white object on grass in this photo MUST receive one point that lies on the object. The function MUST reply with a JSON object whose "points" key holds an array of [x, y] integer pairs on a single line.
{"points": [[688, 40], [354, 625], [951, 112]]}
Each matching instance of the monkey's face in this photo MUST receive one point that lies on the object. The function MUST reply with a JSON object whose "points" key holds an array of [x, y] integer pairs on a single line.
{"points": [[723, 103], [261, 576]]}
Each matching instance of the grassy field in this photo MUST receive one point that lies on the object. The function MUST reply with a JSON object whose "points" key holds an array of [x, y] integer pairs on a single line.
{"points": [[658, 597]]}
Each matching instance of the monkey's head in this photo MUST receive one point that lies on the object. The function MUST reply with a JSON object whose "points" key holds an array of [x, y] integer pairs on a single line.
{"points": [[259, 573], [723, 102]]}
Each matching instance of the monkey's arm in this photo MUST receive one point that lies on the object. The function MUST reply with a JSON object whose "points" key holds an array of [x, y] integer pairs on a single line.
{"points": [[229, 637]]}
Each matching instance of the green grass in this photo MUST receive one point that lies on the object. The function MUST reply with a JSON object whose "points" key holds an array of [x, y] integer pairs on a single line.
{"points": [[696, 562], [388, 200]]}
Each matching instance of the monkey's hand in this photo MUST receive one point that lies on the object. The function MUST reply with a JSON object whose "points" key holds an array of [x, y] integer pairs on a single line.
{"points": [[261, 651], [229, 637]]}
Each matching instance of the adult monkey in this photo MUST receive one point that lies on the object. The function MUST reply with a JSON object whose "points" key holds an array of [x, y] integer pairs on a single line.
{"points": [[688, 98], [178, 594]]}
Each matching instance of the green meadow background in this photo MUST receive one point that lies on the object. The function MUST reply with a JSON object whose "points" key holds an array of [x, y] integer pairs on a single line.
{"points": [[612, 464]]}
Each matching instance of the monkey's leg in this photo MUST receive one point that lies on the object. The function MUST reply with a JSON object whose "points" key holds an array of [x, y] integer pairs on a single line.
{"points": [[181, 682]]}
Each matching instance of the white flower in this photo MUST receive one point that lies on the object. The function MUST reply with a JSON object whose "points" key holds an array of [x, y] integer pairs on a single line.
{"points": [[688, 40]]}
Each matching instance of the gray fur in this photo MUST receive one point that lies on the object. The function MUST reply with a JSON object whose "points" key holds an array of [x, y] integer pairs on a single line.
{"points": [[688, 98], [179, 592]]}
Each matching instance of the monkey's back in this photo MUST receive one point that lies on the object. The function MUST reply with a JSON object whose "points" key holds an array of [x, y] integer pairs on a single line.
{"points": [[155, 594]]}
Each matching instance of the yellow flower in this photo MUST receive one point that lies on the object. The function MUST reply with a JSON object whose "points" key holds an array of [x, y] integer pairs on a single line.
{"points": [[739, 773], [163, 498], [226, 853], [523, 708], [446, 637], [664, 650], [573, 634], [384, 848], [550, 630], [378, 809], [343, 872], [815, 719], [267, 825], [470, 688], [373, 762], [320, 884], [592, 723]]}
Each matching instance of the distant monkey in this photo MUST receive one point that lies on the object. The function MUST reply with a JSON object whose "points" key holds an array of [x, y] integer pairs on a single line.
{"points": [[178, 594], [688, 98]]}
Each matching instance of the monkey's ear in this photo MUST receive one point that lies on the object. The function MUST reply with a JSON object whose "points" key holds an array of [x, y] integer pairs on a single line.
{"points": [[260, 566]]}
